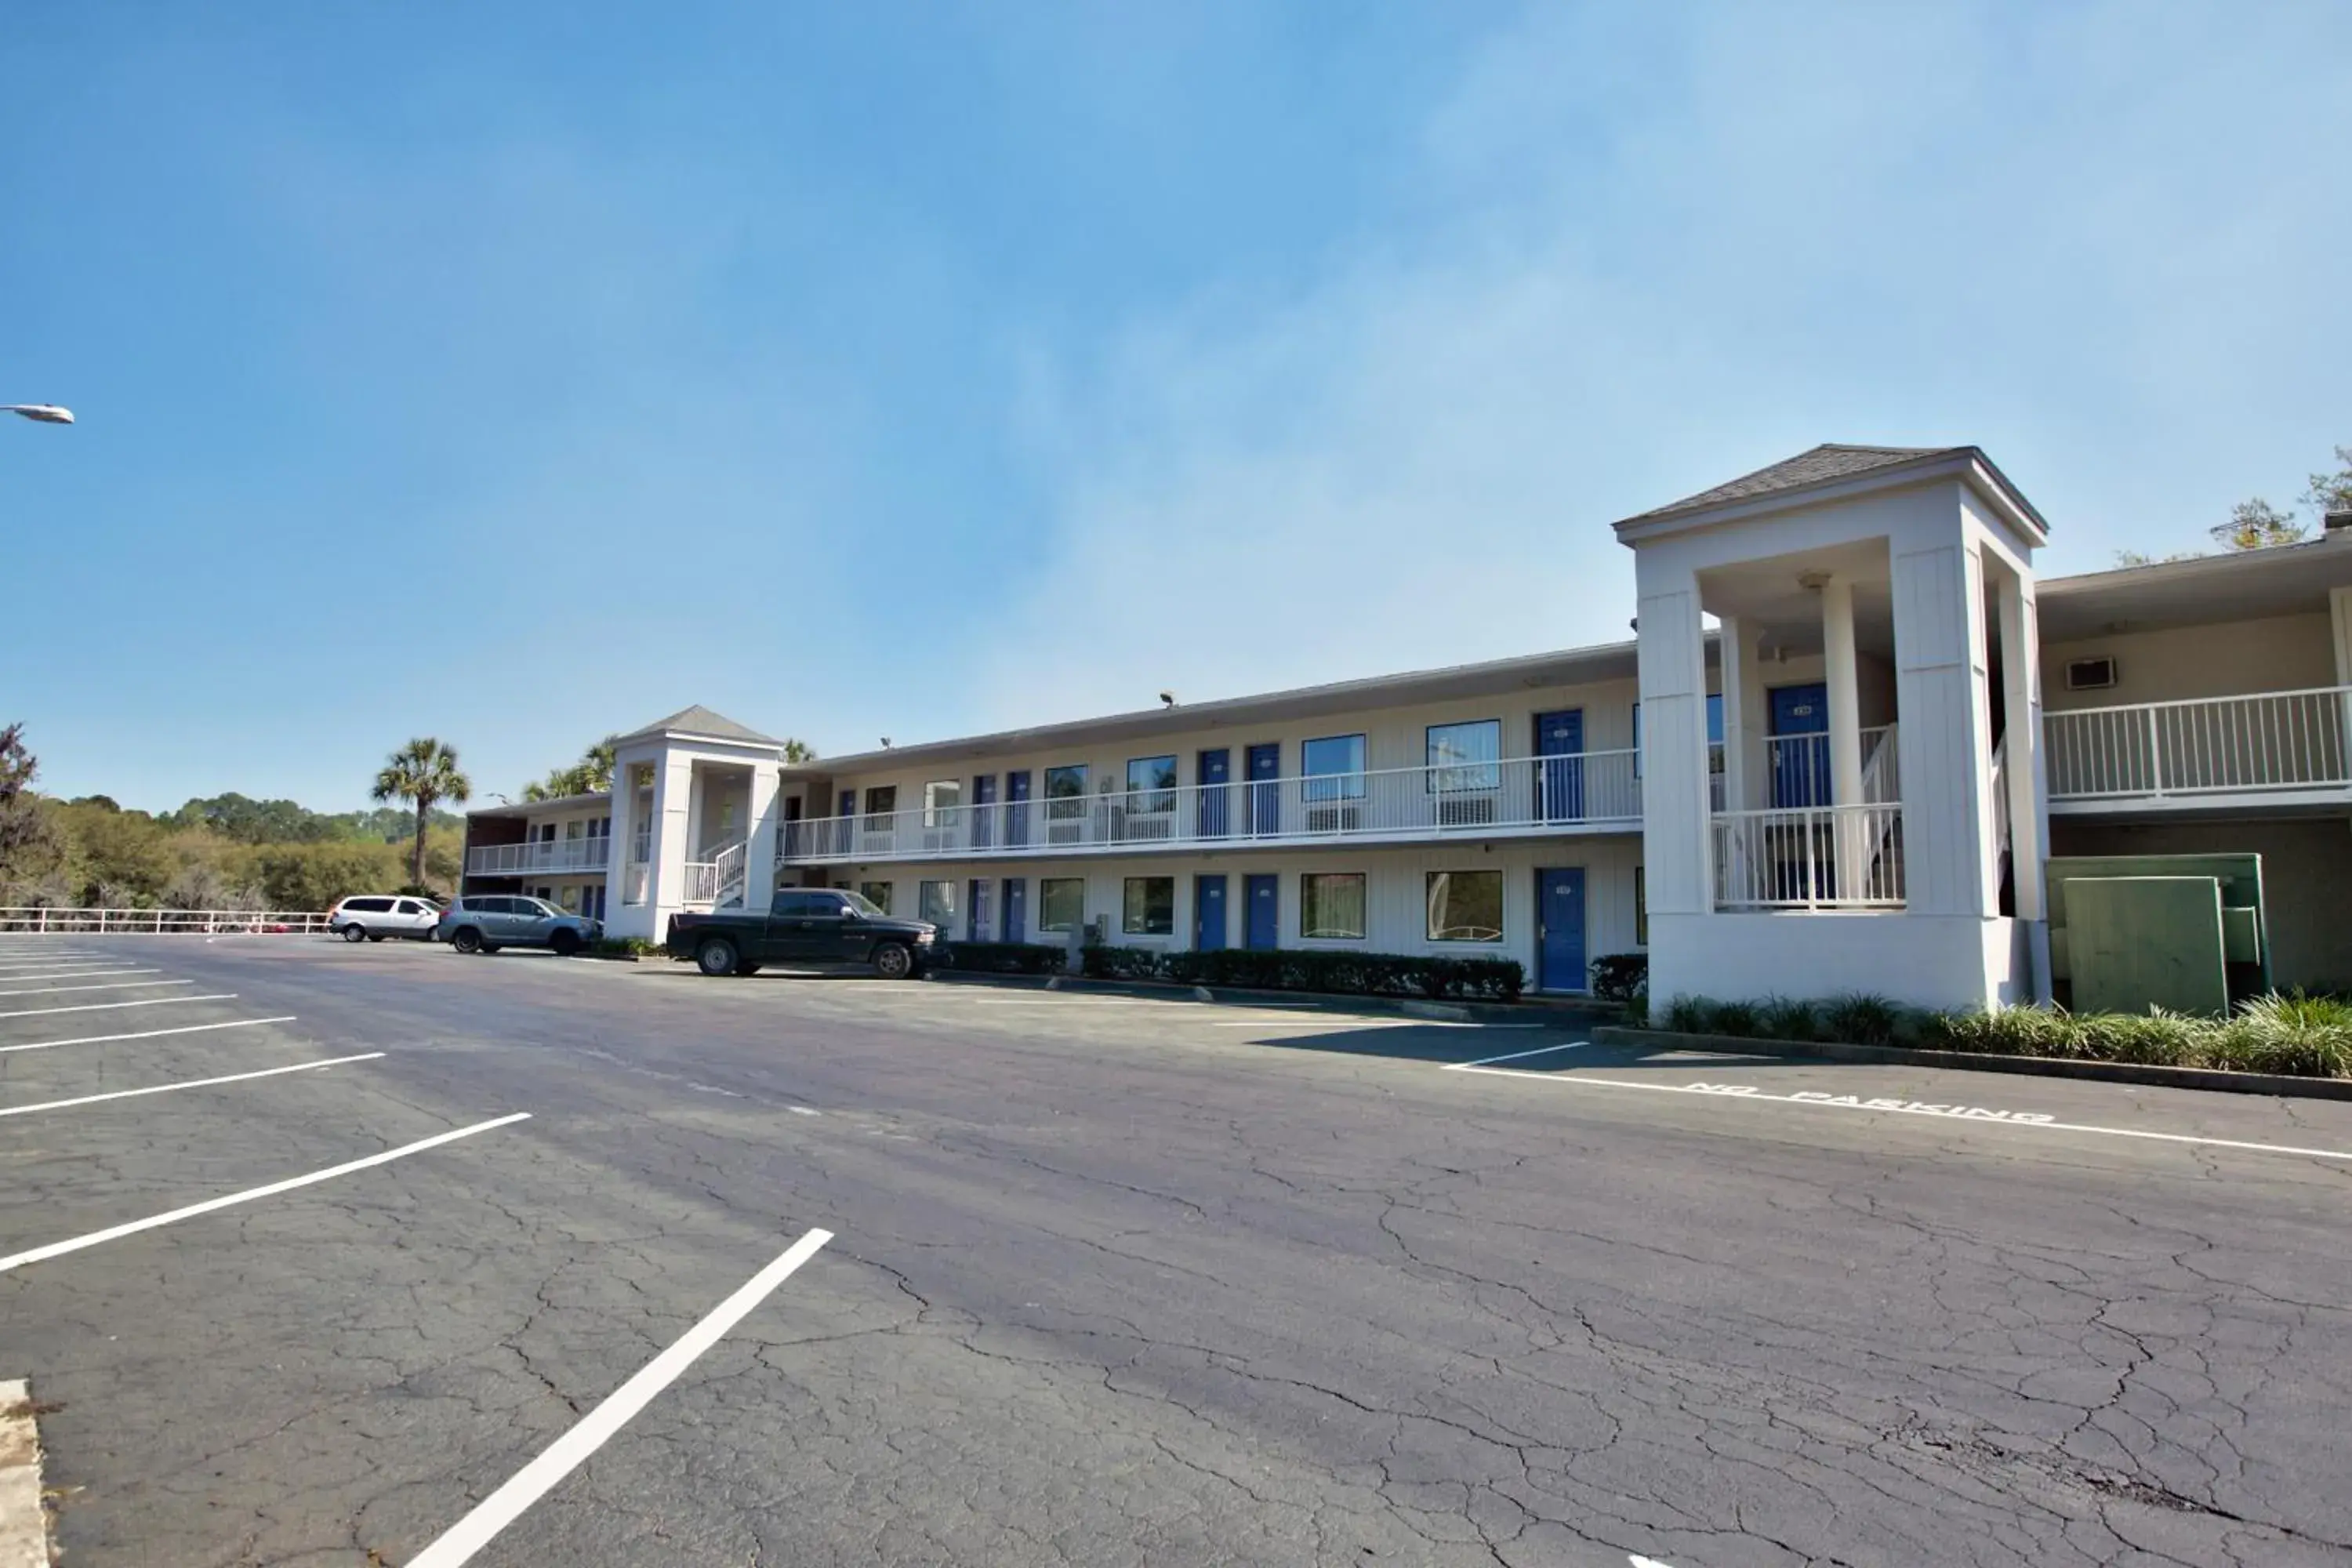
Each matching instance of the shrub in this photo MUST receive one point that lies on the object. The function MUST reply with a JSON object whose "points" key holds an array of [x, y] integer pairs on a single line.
{"points": [[2156, 1037], [1786, 1018], [1008, 957], [1735, 1018], [1687, 1015], [1858, 1019], [1637, 1008], [1285, 969], [2307, 1035], [627, 947], [1617, 976]]}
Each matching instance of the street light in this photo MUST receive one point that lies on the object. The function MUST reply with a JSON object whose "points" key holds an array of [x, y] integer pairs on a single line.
{"points": [[46, 412]]}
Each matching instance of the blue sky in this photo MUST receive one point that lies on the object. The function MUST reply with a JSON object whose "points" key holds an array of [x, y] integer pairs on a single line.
{"points": [[516, 373]]}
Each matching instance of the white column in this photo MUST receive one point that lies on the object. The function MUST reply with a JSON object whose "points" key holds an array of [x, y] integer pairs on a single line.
{"points": [[760, 857], [2028, 800], [1946, 737], [1676, 825], [1844, 691], [1734, 637], [673, 784]]}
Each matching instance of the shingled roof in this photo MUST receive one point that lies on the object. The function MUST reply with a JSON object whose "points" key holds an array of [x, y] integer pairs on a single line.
{"points": [[1824, 463], [700, 721]]}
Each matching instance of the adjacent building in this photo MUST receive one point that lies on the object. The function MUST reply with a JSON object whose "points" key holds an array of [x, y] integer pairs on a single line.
{"points": [[1848, 734]]}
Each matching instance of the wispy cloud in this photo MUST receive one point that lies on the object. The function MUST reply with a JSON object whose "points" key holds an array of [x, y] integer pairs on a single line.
{"points": [[1641, 250]]}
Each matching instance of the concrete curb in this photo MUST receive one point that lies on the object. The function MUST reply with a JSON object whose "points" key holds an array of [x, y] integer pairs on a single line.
{"points": [[2210, 1078], [23, 1522], [1570, 1016]]}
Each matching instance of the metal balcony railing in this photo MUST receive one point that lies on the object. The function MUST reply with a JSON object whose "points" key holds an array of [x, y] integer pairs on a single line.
{"points": [[2267, 742], [1515, 794], [545, 855], [1811, 857]]}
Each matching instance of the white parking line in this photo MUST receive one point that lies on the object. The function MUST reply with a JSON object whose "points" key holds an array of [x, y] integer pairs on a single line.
{"points": [[103, 1006], [1742, 1094], [1517, 1055], [144, 1034], [109, 985], [59, 1248], [191, 1083], [1345, 1021], [566, 1454], [44, 971]]}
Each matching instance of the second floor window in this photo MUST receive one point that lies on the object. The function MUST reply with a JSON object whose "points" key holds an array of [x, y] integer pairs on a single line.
{"points": [[881, 803], [940, 799], [1333, 768], [1065, 793], [1465, 756], [1151, 784]]}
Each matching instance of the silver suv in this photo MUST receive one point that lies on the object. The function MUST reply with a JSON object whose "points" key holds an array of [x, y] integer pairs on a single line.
{"points": [[373, 917], [485, 922]]}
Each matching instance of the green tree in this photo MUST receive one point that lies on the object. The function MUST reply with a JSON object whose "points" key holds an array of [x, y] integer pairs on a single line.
{"points": [[422, 772], [2255, 524], [313, 876], [798, 750], [2332, 492], [118, 859], [591, 775], [30, 848]]}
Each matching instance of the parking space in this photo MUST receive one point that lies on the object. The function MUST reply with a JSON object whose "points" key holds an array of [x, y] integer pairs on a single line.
{"points": [[524, 1260]]}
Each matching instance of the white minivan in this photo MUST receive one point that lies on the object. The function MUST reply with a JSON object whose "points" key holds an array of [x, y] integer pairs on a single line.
{"points": [[376, 917]]}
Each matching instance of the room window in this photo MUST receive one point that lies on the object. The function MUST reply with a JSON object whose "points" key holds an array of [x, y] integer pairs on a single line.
{"points": [[2090, 674], [1065, 794], [941, 798], [1641, 910], [1151, 784], [1061, 902], [876, 893], [1332, 905], [1465, 756], [881, 803], [1333, 768], [936, 903], [1465, 906], [1150, 908]]}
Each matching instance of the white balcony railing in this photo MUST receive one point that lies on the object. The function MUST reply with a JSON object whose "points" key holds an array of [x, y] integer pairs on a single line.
{"points": [[1809, 857], [719, 877], [1515, 796], [2268, 744], [546, 855]]}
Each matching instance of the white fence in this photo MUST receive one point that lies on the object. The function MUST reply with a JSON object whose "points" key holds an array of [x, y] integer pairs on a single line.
{"points": [[2224, 745], [1461, 800], [546, 855], [1809, 857], [162, 922]]}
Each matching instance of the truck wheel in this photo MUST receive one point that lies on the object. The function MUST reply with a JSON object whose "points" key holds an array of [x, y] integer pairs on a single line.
{"points": [[465, 939], [894, 961], [717, 956], [566, 942]]}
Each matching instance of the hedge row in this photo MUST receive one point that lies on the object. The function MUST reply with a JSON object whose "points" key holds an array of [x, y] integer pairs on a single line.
{"points": [[1006, 957], [2296, 1035], [1353, 973]]}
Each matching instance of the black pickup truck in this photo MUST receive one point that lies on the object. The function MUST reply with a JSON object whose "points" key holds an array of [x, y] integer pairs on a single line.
{"points": [[804, 926]]}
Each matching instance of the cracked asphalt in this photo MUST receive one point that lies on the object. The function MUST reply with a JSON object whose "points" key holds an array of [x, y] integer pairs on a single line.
{"points": [[1121, 1281]]}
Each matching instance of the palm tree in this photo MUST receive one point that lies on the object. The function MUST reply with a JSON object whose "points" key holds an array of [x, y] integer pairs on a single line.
{"points": [[798, 751], [424, 771], [591, 775]]}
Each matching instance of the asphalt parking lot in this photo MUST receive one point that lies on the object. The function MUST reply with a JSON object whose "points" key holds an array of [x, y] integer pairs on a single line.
{"points": [[328, 1255]]}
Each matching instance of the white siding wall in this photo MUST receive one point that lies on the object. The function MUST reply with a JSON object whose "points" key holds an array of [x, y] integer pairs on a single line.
{"points": [[1394, 888], [2281, 653], [1394, 738]]}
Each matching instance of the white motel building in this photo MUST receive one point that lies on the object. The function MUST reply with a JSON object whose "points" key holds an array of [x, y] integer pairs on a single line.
{"points": [[1850, 729]]}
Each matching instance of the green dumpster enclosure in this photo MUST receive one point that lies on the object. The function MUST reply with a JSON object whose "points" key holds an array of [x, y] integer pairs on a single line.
{"points": [[2184, 932]]}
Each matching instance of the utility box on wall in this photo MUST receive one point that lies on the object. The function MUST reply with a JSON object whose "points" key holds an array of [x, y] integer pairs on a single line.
{"points": [[2127, 935]]}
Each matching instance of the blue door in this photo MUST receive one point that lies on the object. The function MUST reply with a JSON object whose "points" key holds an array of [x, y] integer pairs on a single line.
{"points": [[1266, 795], [1800, 764], [1017, 908], [983, 811], [1560, 742], [976, 911], [1016, 808], [1560, 917], [1208, 913], [1263, 929], [1215, 772]]}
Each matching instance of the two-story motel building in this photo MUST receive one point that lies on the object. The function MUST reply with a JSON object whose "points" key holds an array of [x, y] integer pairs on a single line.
{"points": [[1851, 780]]}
